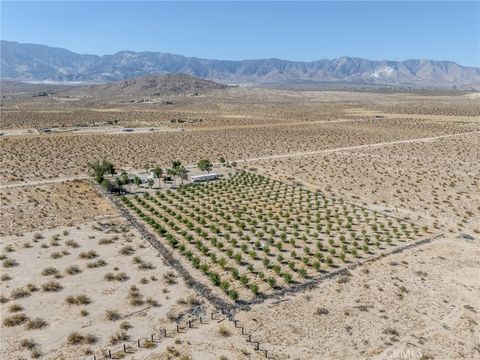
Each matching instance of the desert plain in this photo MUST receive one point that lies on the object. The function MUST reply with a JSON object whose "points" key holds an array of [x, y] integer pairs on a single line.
{"points": [[78, 278]]}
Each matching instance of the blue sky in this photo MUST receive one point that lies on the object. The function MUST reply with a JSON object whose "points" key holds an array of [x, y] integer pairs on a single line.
{"points": [[245, 30]]}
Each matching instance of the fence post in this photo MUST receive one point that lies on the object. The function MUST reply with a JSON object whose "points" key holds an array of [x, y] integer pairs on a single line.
{"points": [[165, 333], [189, 324], [243, 330], [138, 342], [201, 320], [249, 338], [266, 353], [152, 337], [110, 354], [124, 348], [257, 345]]}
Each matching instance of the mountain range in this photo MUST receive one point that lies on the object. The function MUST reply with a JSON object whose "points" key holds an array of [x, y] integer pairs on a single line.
{"points": [[32, 62]]}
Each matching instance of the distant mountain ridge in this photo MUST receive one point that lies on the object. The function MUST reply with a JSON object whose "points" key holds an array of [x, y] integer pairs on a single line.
{"points": [[31, 62]]}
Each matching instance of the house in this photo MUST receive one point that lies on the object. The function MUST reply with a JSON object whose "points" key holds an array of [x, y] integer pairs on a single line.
{"points": [[204, 177]]}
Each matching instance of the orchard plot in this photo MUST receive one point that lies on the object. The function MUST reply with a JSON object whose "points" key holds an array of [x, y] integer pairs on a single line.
{"points": [[251, 235]]}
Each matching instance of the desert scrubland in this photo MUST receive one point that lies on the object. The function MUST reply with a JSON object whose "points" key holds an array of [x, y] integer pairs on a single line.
{"points": [[78, 279]]}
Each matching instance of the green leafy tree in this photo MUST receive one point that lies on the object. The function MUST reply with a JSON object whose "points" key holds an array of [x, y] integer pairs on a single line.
{"points": [[99, 168], [182, 173], [205, 165], [137, 181], [157, 173]]}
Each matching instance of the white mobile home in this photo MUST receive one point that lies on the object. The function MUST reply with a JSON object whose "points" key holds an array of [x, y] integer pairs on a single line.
{"points": [[204, 177]]}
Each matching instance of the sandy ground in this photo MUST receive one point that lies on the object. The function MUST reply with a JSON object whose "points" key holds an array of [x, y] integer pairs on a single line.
{"points": [[88, 131], [418, 304]]}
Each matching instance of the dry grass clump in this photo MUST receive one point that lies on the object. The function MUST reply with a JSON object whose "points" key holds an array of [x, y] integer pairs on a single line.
{"points": [[73, 270], [32, 287], [152, 302], [127, 250], [224, 332], [36, 323], [125, 325], [36, 353], [136, 299], [96, 264], [50, 271], [15, 320], [28, 344], [78, 300], [105, 241], [146, 266], [149, 344], [5, 277], [91, 254], [77, 338], [193, 301], [20, 293], [52, 286], [72, 243], [121, 276], [170, 278], [112, 315], [56, 255], [9, 263], [119, 337], [15, 308]]}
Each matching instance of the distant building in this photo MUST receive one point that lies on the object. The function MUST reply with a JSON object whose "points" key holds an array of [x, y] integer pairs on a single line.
{"points": [[204, 177]]}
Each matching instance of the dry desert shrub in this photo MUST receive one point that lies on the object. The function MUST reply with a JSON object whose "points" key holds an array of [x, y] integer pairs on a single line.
{"points": [[224, 332], [28, 344], [112, 315], [50, 271], [127, 250], [91, 254], [5, 277], [73, 270], [20, 293], [52, 286], [77, 338], [15, 308], [36, 323], [78, 300], [72, 243], [96, 264], [9, 263], [15, 320], [119, 337]]}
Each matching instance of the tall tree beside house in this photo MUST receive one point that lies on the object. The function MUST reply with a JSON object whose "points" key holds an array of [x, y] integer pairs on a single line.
{"points": [[174, 171], [157, 173], [99, 168], [205, 165], [182, 173], [137, 181]]}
